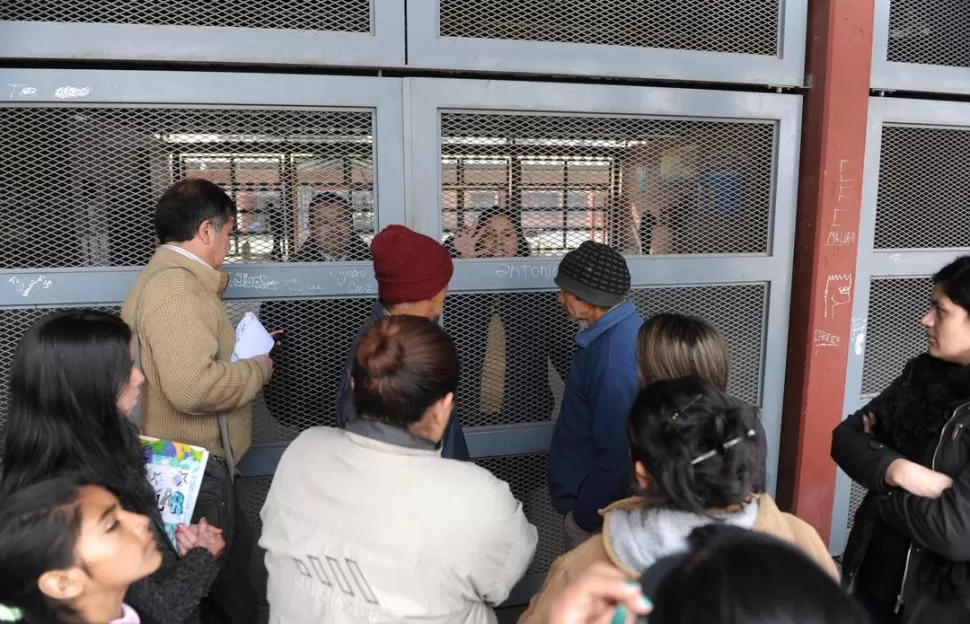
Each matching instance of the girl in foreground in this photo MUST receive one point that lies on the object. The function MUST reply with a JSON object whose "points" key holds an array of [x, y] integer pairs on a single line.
{"points": [[69, 551]]}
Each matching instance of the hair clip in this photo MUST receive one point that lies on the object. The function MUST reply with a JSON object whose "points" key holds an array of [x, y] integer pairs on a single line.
{"points": [[724, 447]]}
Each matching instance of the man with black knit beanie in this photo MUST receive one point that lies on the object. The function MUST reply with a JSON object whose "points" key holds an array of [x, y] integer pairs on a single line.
{"points": [[588, 458]]}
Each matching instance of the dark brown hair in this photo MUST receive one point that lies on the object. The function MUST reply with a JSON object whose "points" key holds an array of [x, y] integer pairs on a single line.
{"points": [[404, 365], [670, 346]]}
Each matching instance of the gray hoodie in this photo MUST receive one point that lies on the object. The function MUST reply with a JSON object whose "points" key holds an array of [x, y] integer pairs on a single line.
{"points": [[643, 535]]}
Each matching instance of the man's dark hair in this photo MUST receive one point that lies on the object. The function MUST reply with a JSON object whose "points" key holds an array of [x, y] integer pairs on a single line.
{"points": [[186, 205]]}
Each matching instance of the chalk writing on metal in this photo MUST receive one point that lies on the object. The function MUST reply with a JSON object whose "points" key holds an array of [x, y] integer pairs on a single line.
{"points": [[25, 288], [70, 93]]}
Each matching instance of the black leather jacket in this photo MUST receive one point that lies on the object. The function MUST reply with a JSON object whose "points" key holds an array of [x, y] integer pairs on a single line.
{"points": [[907, 534]]}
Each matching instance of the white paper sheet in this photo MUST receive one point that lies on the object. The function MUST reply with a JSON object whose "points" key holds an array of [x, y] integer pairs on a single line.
{"points": [[252, 339]]}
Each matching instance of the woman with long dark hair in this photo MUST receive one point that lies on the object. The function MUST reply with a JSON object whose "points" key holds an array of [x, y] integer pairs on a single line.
{"points": [[72, 384], [908, 552]]}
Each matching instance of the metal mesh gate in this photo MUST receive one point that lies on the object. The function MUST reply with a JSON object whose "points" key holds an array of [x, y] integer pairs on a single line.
{"points": [[696, 188], [332, 15], [913, 224], [742, 27], [921, 46]]}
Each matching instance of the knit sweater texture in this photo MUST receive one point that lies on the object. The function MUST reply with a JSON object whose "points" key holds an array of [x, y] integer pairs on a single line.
{"points": [[186, 341]]}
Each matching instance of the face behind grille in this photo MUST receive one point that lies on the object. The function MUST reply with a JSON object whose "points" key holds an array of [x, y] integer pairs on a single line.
{"points": [[641, 185], [89, 178]]}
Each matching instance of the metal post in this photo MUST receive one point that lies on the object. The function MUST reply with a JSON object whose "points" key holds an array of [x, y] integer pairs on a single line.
{"points": [[827, 223]]}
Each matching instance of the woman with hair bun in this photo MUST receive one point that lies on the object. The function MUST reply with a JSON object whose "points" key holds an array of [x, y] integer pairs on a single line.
{"points": [[370, 523]]}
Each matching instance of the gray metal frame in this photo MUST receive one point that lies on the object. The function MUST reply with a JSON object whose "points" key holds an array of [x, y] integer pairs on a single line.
{"points": [[891, 76], [428, 50], [109, 285], [883, 263], [382, 47], [428, 96]]}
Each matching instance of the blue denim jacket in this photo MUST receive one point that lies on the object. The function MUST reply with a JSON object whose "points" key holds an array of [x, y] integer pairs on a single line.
{"points": [[453, 444]]}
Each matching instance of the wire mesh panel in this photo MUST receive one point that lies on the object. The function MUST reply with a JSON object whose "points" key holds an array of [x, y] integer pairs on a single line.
{"points": [[515, 348], [308, 364], [757, 41], [526, 476], [326, 15], [856, 494], [661, 186], [893, 332], [923, 188], [733, 26], [738, 310], [929, 33], [363, 33], [88, 180]]}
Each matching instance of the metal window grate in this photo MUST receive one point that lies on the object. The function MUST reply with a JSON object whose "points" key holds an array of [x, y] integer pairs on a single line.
{"points": [[538, 340], [320, 15], [526, 476], [930, 33], [923, 188], [738, 310], [724, 26], [307, 366], [893, 332], [88, 178], [662, 186]]}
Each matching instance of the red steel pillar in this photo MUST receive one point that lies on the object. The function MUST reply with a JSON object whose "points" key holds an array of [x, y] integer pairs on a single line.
{"points": [[839, 58]]}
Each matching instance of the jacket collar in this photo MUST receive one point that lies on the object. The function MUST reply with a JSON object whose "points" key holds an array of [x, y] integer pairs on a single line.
{"points": [[607, 322], [768, 515], [213, 279], [391, 435]]}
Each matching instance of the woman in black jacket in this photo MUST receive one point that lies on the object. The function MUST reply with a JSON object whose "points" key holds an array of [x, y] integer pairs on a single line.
{"points": [[72, 384], [308, 364], [529, 327], [908, 553]]}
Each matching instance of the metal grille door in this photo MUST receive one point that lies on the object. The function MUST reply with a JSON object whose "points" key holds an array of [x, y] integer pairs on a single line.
{"points": [[922, 46], [694, 187], [913, 223], [759, 41], [306, 32]]}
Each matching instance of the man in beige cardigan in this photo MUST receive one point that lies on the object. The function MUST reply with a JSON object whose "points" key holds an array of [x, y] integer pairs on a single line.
{"points": [[193, 393]]}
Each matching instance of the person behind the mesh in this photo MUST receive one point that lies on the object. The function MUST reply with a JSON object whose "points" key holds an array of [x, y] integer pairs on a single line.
{"points": [[412, 272], [908, 552], [308, 364], [505, 341], [670, 346], [370, 523], [72, 386], [588, 464], [695, 460], [193, 393], [69, 551]]}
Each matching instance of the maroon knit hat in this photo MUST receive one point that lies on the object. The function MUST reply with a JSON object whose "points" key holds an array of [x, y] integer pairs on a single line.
{"points": [[409, 266]]}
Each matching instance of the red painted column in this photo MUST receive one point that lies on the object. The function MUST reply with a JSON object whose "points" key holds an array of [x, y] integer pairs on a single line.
{"points": [[839, 56]]}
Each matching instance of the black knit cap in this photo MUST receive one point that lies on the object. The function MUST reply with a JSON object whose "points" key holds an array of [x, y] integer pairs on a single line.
{"points": [[596, 273]]}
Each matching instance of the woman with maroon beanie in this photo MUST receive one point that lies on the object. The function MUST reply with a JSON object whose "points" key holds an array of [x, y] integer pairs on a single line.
{"points": [[412, 272]]}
